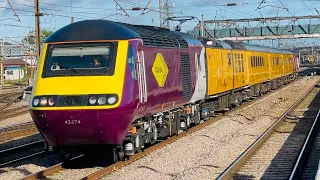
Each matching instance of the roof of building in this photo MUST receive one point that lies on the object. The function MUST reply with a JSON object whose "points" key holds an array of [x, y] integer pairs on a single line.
{"points": [[14, 62], [7, 43]]}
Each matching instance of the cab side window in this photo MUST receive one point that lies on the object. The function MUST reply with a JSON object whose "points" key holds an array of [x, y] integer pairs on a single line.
{"points": [[131, 62]]}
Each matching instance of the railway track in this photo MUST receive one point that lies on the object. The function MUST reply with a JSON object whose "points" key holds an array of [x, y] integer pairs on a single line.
{"points": [[11, 87], [13, 99], [8, 99], [308, 71], [13, 112], [17, 130], [109, 169], [22, 152], [10, 95], [273, 154], [307, 165]]}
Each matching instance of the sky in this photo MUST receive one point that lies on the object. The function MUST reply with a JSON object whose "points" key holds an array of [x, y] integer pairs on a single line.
{"points": [[58, 13]]}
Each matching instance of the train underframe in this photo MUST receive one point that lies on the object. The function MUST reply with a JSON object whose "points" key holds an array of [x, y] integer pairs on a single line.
{"points": [[149, 130]]}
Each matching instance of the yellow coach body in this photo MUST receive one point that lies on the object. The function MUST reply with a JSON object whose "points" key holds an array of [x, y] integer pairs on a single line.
{"points": [[234, 66], [288, 64], [240, 68], [276, 66], [258, 67], [220, 70]]}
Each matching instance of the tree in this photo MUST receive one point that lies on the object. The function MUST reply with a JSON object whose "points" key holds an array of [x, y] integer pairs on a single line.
{"points": [[30, 37]]}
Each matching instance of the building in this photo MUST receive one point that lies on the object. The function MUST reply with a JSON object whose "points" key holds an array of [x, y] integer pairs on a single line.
{"points": [[13, 68]]}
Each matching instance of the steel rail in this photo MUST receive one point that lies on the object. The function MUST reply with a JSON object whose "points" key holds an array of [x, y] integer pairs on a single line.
{"points": [[6, 95], [18, 130], [119, 165], [11, 87], [15, 126], [6, 114], [305, 145], [49, 171], [28, 145], [227, 174], [23, 158], [21, 146], [56, 168]]}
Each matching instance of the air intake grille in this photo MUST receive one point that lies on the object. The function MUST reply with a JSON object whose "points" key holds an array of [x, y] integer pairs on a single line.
{"points": [[186, 76], [158, 37]]}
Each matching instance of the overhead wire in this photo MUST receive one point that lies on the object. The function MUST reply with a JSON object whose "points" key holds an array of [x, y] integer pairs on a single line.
{"points": [[57, 10], [83, 14], [307, 7], [75, 7], [15, 14], [232, 9], [220, 8], [54, 14]]}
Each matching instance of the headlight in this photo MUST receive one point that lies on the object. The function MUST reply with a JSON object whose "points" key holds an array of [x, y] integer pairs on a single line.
{"points": [[112, 100], [102, 100], [43, 101], [51, 101], [36, 102], [92, 100]]}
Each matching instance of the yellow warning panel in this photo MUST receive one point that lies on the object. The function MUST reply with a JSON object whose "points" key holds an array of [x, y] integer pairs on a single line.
{"points": [[160, 70]]}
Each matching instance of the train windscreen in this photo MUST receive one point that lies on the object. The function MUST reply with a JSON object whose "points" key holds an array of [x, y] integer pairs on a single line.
{"points": [[79, 60]]}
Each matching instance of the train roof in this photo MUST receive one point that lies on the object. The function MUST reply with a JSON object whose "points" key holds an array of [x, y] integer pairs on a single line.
{"points": [[160, 37], [251, 47], [90, 30], [217, 44]]}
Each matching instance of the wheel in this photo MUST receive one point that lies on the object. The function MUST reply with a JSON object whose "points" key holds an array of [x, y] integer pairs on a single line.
{"points": [[64, 156], [118, 154]]}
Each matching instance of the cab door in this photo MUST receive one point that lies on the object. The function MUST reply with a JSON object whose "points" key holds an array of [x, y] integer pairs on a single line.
{"points": [[201, 85], [142, 82]]}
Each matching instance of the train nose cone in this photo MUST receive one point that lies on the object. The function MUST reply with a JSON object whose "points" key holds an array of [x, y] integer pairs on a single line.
{"points": [[82, 127]]}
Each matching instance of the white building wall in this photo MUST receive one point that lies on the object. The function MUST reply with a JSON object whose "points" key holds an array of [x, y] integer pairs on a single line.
{"points": [[13, 74]]}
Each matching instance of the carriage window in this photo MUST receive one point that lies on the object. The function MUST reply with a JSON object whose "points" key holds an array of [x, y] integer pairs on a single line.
{"points": [[198, 61], [131, 62], [236, 64], [260, 62], [252, 61], [229, 59], [273, 61], [251, 58], [242, 65]]}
